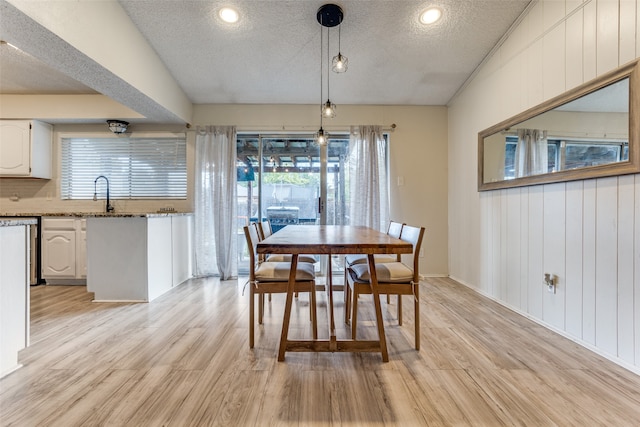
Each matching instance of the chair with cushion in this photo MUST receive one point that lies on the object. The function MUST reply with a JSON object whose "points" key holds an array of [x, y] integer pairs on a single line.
{"points": [[264, 229], [273, 277], [394, 278], [394, 230]]}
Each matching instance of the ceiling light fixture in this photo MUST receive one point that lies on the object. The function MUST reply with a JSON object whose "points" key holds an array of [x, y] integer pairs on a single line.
{"points": [[117, 126], [321, 138], [340, 62], [2, 42], [431, 15], [328, 15], [229, 15]]}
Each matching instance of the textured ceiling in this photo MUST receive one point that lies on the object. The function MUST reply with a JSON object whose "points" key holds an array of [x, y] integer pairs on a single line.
{"points": [[272, 55]]}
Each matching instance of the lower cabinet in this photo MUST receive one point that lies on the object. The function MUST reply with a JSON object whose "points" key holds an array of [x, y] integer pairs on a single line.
{"points": [[14, 295], [64, 250], [137, 258]]}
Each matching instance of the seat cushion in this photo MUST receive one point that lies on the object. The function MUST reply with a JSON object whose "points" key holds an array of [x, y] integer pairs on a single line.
{"points": [[389, 272], [279, 271], [287, 258], [354, 259]]}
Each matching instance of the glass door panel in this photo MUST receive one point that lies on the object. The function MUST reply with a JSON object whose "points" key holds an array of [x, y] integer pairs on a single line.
{"points": [[290, 181], [279, 180]]}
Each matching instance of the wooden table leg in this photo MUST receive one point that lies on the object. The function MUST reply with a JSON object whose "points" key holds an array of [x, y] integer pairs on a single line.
{"points": [[284, 336], [376, 302], [333, 345]]}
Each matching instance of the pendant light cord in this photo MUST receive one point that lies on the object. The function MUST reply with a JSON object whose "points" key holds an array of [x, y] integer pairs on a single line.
{"points": [[321, 92], [328, 67]]}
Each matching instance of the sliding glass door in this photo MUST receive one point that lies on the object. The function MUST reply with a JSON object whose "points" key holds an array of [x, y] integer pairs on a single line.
{"points": [[291, 179]]}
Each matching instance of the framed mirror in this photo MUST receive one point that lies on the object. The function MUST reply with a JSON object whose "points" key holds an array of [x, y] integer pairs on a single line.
{"points": [[591, 131]]}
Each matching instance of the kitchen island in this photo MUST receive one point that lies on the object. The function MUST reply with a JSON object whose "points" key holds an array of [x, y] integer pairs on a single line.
{"points": [[137, 257], [130, 256], [14, 290]]}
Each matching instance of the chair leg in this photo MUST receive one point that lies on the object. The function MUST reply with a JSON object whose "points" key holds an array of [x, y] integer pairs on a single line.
{"points": [[260, 307], [400, 310], [354, 311], [313, 312], [347, 303], [345, 291], [251, 315], [416, 307]]}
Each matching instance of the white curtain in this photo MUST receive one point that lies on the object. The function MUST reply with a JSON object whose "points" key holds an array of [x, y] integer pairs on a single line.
{"points": [[369, 198], [215, 215], [531, 153]]}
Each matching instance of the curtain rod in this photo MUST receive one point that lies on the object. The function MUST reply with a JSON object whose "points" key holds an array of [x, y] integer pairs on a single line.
{"points": [[576, 136], [300, 129]]}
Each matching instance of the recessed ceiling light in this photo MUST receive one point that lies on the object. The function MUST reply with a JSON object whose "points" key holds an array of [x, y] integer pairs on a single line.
{"points": [[430, 15], [8, 44], [229, 15]]}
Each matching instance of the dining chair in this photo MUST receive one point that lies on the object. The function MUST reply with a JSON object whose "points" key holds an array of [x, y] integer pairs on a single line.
{"points": [[264, 229], [394, 278], [394, 229], [273, 277]]}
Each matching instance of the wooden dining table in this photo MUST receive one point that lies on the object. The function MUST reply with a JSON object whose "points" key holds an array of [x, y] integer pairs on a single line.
{"points": [[332, 240]]}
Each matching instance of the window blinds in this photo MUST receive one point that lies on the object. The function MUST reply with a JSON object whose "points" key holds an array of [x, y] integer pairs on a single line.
{"points": [[137, 168]]}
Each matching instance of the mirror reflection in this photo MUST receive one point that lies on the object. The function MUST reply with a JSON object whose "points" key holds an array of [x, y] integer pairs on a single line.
{"points": [[592, 130], [586, 131]]}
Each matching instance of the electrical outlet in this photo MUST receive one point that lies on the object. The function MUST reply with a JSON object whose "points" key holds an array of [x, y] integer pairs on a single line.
{"points": [[550, 283]]}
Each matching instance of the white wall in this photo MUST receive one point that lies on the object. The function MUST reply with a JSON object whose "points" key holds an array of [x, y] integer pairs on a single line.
{"points": [[418, 154], [587, 233]]}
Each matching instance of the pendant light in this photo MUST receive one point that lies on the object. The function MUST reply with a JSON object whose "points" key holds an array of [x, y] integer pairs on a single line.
{"points": [[328, 15], [320, 136], [340, 62], [328, 109]]}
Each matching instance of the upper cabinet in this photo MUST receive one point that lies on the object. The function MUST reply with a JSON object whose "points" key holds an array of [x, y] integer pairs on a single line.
{"points": [[25, 149]]}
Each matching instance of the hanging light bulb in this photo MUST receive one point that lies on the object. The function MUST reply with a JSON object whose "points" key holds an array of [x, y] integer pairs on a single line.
{"points": [[340, 62], [328, 109], [321, 137]]}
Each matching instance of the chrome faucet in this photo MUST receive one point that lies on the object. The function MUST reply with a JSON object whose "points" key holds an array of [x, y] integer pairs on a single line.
{"points": [[109, 208]]}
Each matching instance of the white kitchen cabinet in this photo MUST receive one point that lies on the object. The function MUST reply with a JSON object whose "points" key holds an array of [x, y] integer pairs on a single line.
{"points": [[14, 295], [25, 149], [64, 250], [181, 253], [137, 258], [81, 248]]}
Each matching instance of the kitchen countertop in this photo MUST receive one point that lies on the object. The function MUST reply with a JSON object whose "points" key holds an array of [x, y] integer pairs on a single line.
{"points": [[12, 222]]}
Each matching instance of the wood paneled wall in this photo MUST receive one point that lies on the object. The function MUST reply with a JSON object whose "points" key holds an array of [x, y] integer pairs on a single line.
{"points": [[586, 233]]}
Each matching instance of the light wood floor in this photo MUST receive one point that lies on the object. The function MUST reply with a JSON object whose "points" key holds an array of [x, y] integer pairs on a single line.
{"points": [[184, 359]]}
